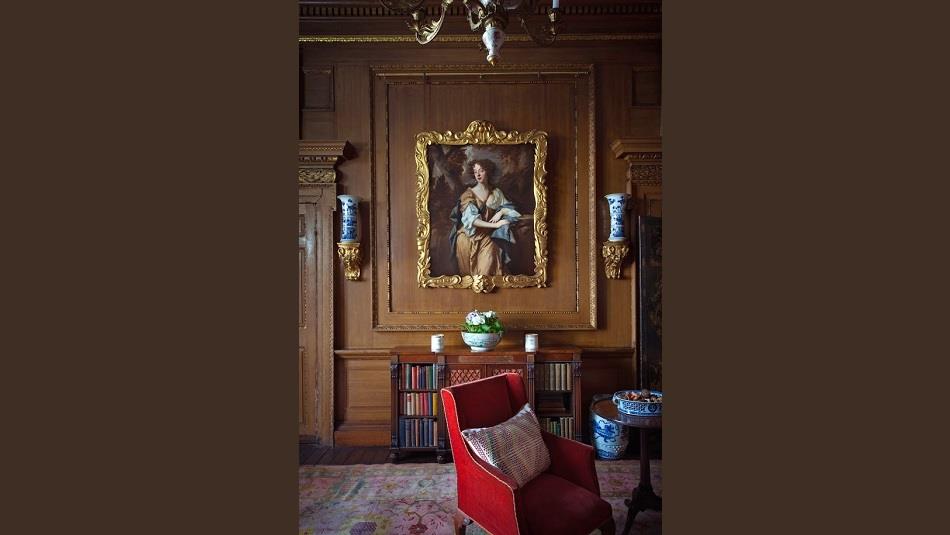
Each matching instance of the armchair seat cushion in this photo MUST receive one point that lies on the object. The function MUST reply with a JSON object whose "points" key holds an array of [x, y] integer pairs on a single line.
{"points": [[514, 446], [555, 506]]}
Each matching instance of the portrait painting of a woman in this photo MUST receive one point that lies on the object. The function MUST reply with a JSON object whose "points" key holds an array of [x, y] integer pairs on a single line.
{"points": [[481, 206], [482, 220]]}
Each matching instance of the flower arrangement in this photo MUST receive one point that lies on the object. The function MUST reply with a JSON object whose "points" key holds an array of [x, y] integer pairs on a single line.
{"points": [[482, 322]]}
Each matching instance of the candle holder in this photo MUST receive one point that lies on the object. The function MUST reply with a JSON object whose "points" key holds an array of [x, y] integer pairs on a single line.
{"points": [[349, 245]]}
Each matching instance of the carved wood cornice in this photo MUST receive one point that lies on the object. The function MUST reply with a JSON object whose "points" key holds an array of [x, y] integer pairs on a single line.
{"points": [[372, 8], [317, 160], [473, 38], [644, 157]]}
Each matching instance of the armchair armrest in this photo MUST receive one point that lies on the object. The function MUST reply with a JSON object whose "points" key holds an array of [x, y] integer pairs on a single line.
{"points": [[486, 494], [572, 460]]}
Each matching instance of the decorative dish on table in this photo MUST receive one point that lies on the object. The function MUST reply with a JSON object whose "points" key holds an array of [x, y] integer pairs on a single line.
{"points": [[639, 402]]}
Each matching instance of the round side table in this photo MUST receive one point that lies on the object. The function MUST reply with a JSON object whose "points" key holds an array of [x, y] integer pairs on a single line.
{"points": [[643, 497]]}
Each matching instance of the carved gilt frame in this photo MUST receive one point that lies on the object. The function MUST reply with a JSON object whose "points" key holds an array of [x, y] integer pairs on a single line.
{"points": [[482, 133]]}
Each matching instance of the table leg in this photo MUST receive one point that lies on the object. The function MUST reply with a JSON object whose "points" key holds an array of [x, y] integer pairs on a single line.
{"points": [[643, 497]]}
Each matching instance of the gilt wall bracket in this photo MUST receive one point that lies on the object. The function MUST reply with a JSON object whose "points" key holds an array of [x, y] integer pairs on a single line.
{"points": [[350, 256], [614, 253]]}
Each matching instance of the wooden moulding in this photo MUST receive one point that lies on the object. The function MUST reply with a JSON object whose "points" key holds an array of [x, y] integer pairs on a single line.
{"points": [[644, 157], [568, 304]]}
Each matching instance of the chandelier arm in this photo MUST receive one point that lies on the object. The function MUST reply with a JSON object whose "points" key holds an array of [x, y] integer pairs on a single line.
{"points": [[402, 6], [427, 29], [546, 32], [475, 15]]}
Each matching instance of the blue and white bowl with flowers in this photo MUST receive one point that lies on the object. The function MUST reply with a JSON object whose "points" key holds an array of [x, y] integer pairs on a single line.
{"points": [[481, 341], [651, 407]]}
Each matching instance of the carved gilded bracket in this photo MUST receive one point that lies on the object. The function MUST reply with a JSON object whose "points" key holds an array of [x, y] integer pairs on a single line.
{"points": [[350, 255], [644, 157], [614, 253]]}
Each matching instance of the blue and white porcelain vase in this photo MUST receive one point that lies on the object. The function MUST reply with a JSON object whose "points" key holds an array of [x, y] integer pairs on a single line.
{"points": [[349, 222], [618, 204], [609, 439]]}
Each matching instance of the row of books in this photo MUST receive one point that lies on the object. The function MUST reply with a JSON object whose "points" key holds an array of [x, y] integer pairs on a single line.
{"points": [[418, 433], [419, 403], [562, 427], [416, 377], [554, 376]]}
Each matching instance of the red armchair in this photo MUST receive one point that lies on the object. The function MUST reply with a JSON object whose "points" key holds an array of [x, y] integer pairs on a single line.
{"points": [[564, 500]]}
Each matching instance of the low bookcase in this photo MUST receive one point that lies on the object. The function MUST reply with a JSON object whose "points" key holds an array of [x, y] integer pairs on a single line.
{"points": [[552, 378]]}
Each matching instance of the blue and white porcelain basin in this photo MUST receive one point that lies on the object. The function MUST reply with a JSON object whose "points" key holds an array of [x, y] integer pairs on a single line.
{"points": [[638, 408]]}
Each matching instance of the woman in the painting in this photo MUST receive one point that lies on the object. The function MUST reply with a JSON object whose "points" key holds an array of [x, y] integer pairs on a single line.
{"points": [[481, 221]]}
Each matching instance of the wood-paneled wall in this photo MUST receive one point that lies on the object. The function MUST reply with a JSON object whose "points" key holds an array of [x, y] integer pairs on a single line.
{"points": [[350, 90]]}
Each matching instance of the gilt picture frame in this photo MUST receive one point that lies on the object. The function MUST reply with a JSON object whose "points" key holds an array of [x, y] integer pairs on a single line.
{"points": [[481, 204]]}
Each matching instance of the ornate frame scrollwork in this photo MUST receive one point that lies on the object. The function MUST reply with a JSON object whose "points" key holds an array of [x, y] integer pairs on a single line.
{"points": [[482, 133]]}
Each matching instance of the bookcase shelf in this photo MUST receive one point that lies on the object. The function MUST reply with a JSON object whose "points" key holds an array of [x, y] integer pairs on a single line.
{"points": [[552, 378]]}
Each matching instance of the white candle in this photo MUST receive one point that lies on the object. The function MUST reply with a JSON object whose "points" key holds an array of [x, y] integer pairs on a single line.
{"points": [[555, 4]]}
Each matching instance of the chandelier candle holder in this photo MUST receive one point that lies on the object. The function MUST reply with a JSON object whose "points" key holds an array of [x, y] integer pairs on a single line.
{"points": [[488, 17], [617, 245], [349, 245]]}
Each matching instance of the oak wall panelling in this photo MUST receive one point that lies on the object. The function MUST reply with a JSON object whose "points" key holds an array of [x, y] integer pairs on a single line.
{"points": [[556, 99], [383, 94], [363, 397]]}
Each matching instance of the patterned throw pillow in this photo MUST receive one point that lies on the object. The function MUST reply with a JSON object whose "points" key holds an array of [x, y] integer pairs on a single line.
{"points": [[514, 446]]}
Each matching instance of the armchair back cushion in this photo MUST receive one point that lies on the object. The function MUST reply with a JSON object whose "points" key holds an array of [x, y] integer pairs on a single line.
{"points": [[514, 446]]}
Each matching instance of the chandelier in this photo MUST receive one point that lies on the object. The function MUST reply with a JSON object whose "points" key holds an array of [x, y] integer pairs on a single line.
{"points": [[488, 17]]}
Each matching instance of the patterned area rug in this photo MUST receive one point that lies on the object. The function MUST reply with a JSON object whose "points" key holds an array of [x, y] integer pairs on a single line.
{"points": [[417, 499]]}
